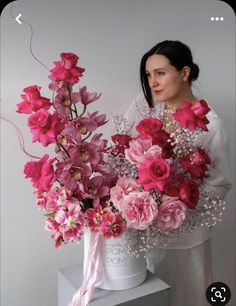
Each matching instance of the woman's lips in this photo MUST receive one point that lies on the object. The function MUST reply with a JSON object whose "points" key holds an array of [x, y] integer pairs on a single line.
{"points": [[157, 92]]}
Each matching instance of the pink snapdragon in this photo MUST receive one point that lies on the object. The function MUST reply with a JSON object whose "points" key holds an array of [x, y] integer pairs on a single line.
{"points": [[41, 173]]}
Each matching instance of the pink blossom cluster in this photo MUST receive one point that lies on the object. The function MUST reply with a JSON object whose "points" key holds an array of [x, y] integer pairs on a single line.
{"points": [[175, 179], [73, 188]]}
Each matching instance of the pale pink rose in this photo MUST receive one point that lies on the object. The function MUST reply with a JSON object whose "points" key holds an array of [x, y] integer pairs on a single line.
{"points": [[171, 213], [124, 186], [139, 149], [41, 173], [139, 210]]}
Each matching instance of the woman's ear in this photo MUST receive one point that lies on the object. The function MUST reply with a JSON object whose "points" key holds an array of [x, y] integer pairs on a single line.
{"points": [[185, 73]]}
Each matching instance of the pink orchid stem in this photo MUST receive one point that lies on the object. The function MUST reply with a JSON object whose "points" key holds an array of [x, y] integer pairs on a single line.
{"points": [[20, 137]]}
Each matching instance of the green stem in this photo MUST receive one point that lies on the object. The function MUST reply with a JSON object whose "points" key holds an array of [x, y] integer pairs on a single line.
{"points": [[87, 136], [61, 146]]}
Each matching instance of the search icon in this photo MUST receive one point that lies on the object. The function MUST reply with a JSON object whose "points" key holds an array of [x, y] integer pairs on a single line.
{"points": [[218, 294]]}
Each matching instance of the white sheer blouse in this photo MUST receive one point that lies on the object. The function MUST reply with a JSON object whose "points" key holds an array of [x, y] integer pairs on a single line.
{"points": [[216, 143]]}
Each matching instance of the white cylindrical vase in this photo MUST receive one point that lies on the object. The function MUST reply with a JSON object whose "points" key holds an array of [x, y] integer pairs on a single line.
{"points": [[120, 270]]}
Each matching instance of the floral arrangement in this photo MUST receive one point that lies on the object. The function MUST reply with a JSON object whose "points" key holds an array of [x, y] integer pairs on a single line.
{"points": [[152, 182]]}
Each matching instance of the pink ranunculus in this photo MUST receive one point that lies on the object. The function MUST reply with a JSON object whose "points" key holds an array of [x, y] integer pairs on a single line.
{"points": [[193, 116], [154, 173], [139, 149], [41, 173], [32, 100], [189, 193], [45, 126], [112, 225], [196, 163], [124, 186], [149, 126], [139, 209], [66, 69], [171, 213]]}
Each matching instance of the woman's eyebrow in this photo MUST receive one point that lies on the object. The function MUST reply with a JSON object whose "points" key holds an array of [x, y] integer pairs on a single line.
{"points": [[156, 69]]}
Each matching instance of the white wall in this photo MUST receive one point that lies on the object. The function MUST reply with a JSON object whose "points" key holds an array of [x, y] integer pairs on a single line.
{"points": [[110, 37]]}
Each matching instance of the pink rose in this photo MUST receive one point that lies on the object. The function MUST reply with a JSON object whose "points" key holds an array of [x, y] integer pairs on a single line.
{"points": [[45, 126], [41, 173], [171, 213], [66, 70], [196, 163], [193, 115], [139, 149], [139, 210], [154, 173], [189, 192], [124, 186], [32, 100], [149, 126]]}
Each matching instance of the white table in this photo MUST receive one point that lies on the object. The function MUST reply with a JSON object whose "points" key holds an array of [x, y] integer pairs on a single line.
{"points": [[152, 292]]}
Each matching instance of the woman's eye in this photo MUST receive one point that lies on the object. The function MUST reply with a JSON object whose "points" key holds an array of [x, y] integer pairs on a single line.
{"points": [[161, 73]]}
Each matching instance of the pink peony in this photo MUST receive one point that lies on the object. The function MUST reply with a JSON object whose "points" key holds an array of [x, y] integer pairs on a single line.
{"points": [[140, 149], [66, 69], [45, 126], [139, 210], [154, 173], [124, 186], [189, 193], [149, 126], [193, 116], [196, 163], [32, 100], [171, 213], [41, 173]]}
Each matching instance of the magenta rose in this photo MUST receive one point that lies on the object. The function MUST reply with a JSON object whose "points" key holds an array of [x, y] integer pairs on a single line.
{"points": [[171, 213], [66, 69], [41, 173], [193, 116], [32, 100], [45, 126], [154, 173], [149, 126], [139, 210], [196, 163], [189, 192]]}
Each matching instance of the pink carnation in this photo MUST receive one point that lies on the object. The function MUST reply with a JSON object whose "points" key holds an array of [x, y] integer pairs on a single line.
{"points": [[45, 126], [41, 173], [124, 186], [139, 210], [172, 213], [139, 149]]}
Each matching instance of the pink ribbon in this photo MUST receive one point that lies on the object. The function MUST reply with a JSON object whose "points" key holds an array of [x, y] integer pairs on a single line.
{"points": [[93, 272]]}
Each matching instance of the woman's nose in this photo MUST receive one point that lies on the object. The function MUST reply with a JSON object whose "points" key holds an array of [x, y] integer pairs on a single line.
{"points": [[153, 82]]}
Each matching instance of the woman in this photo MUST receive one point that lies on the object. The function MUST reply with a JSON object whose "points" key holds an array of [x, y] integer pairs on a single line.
{"points": [[167, 72]]}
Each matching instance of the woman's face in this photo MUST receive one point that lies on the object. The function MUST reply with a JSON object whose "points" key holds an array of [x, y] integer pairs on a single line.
{"points": [[165, 81]]}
